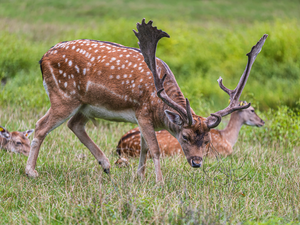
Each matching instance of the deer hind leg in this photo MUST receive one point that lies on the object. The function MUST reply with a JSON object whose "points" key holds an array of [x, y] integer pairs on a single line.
{"points": [[52, 119], [148, 133], [77, 124]]}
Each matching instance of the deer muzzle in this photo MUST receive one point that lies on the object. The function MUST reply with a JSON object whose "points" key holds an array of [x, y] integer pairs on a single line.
{"points": [[195, 161]]}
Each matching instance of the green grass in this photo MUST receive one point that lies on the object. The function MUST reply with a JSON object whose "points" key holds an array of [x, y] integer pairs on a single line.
{"points": [[258, 183], [208, 39]]}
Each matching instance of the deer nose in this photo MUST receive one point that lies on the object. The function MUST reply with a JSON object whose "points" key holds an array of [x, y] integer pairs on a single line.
{"points": [[195, 164]]}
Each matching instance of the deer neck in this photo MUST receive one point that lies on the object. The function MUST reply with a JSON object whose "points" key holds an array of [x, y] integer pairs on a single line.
{"points": [[231, 131]]}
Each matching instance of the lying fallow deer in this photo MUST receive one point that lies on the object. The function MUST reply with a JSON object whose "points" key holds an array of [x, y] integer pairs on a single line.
{"points": [[88, 79], [221, 140], [15, 141]]}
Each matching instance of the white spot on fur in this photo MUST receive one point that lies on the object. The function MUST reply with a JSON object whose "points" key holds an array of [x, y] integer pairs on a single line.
{"points": [[66, 84], [77, 68], [84, 71], [70, 63]]}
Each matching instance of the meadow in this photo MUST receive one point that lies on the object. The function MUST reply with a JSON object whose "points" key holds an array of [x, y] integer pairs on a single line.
{"points": [[258, 184]]}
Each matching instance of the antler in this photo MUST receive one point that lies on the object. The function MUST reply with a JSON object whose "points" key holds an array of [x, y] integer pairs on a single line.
{"points": [[148, 38], [236, 93]]}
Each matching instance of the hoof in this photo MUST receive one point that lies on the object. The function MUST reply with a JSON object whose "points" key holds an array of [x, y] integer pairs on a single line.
{"points": [[32, 173], [106, 171]]}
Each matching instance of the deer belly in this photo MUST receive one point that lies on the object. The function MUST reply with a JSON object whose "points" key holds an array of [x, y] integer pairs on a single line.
{"points": [[124, 115]]}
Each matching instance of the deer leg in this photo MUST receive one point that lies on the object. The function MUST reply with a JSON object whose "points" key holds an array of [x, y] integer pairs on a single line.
{"points": [[148, 133], [51, 120], [143, 158], [77, 125]]}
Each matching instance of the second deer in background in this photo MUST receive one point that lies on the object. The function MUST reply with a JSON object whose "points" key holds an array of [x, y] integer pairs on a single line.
{"points": [[15, 141], [222, 141]]}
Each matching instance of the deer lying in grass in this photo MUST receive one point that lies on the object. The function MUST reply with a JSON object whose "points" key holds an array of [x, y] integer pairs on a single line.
{"points": [[87, 79], [15, 141], [221, 140]]}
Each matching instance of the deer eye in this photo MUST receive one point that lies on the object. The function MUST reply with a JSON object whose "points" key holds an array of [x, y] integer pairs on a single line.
{"points": [[185, 137], [19, 143], [252, 110]]}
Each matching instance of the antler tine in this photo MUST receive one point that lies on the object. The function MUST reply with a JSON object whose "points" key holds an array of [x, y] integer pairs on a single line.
{"points": [[236, 93], [148, 37]]}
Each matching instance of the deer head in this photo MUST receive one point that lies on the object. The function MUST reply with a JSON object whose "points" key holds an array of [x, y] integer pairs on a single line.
{"points": [[191, 131], [15, 141], [249, 117]]}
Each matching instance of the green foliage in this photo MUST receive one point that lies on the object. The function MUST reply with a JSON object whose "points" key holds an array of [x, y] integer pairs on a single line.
{"points": [[16, 54]]}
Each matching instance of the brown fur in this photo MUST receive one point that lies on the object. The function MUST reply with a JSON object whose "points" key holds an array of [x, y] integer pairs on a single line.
{"points": [[222, 140]]}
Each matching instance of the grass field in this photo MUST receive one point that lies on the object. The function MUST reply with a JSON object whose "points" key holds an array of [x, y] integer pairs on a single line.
{"points": [[259, 184]]}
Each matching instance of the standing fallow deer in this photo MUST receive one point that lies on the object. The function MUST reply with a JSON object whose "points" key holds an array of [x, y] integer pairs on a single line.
{"points": [[221, 140], [87, 79], [15, 141]]}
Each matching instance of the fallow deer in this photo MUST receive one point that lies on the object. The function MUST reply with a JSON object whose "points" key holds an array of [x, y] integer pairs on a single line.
{"points": [[15, 141], [221, 140], [88, 79]]}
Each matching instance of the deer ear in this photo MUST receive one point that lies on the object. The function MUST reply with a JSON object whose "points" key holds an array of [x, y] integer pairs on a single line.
{"points": [[174, 117], [4, 133], [28, 132]]}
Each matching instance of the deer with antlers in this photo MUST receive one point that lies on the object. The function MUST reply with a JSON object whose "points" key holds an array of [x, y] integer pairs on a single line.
{"points": [[221, 140], [87, 79], [15, 141]]}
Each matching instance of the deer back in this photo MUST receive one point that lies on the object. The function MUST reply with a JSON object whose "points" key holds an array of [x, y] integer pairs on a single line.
{"points": [[111, 79]]}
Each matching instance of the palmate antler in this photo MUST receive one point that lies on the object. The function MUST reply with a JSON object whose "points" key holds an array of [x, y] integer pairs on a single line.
{"points": [[215, 118], [148, 38]]}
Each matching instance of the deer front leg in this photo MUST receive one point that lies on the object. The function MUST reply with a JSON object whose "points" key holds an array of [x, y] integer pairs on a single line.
{"points": [[148, 134], [143, 158]]}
